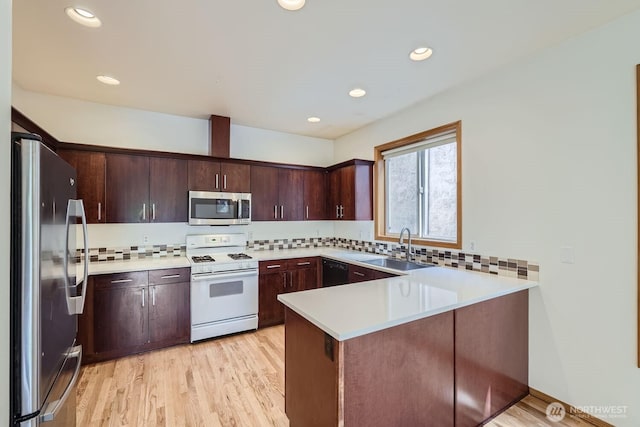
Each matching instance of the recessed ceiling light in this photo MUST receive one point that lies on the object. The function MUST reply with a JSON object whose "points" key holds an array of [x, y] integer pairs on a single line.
{"points": [[291, 4], [357, 92], [313, 119], [421, 53], [108, 80], [84, 13], [83, 17]]}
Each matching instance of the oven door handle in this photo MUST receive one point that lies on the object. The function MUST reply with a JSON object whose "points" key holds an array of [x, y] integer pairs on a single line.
{"points": [[199, 277]]}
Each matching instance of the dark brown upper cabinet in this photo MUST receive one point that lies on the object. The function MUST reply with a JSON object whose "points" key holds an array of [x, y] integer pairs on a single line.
{"points": [[131, 186], [264, 193], [143, 189], [127, 195], [350, 192], [314, 195], [290, 189], [276, 194], [168, 195], [90, 168], [219, 176]]}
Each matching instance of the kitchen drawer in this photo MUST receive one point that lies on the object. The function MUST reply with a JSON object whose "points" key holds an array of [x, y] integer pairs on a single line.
{"points": [[169, 275], [121, 280], [360, 274], [273, 265], [383, 275], [310, 262]]}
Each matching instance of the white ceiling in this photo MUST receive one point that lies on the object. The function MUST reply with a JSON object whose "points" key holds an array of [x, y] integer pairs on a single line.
{"points": [[269, 68]]}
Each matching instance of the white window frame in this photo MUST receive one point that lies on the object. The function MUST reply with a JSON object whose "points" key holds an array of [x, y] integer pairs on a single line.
{"points": [[423, 140]]}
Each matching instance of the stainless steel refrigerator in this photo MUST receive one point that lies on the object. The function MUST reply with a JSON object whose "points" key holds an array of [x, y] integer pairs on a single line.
{"points": [[48, 283]]}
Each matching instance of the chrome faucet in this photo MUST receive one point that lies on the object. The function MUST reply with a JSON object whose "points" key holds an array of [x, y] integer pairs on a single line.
{"points": [[401, 241]]}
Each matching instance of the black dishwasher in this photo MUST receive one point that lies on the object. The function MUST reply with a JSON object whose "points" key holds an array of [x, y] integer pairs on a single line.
{"points": [[334, 273]]}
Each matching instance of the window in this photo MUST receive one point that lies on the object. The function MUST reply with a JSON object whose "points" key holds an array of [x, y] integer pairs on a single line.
{"points": [[418, 186]]}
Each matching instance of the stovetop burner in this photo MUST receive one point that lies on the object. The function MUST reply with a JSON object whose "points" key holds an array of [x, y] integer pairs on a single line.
{"points": [[202, 258], [239, 256]]}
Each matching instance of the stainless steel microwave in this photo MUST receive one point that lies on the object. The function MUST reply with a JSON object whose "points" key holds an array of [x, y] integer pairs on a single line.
{"points": [[212, 208]]}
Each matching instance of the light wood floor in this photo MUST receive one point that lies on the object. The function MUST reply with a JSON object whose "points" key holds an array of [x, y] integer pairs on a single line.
{"points": [[232, 381]]}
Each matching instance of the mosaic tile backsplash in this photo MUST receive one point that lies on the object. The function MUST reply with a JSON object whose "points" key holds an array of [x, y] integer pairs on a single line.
{"points": [[508, 267], [133, 252], [302, 243]]}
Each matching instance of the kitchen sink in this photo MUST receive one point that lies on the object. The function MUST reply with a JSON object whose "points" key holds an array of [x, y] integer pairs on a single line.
{"points": [[397, 264]]}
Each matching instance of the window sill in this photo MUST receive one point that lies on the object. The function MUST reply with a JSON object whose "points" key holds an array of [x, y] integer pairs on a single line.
{"points": [[422, 242]]}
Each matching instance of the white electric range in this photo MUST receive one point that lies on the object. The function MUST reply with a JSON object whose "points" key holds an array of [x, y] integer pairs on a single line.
{"points": [[224, 285]]}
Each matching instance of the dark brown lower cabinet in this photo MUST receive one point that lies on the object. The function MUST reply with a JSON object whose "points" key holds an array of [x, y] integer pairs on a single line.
{"points": [[127, 313], [121, 319], [360, 274], [401, 376], [377, 274], [458, 368], [169, 313], [282, 276], [492, 357], [271, 283], [304, 274]]}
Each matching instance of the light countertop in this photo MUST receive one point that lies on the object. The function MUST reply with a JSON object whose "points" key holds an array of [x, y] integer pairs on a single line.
{"points": [[349, 311], [141, 264], [352, 310]]}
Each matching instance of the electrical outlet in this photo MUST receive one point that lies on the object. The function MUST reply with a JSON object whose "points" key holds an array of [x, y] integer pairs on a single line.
{"points": [[472, 245], [146, 239]]}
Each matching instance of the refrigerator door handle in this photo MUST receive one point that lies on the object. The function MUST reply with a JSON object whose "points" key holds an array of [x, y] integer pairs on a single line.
{"points": [[75, 208], [51, 410]]}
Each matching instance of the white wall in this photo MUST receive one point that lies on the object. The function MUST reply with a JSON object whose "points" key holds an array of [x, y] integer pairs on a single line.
{"points": [[260, 144], [73, 120], [549, 161], [5, 184]]}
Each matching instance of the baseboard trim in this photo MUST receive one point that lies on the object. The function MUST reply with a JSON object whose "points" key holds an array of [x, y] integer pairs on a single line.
{"points": [[570, 408]]}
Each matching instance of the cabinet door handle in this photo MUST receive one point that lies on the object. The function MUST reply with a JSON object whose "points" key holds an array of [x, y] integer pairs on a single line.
{"points": [[291, 279], [99, 211], [122, 281], [171, 276], [217, 181], [153, 296], [153, 211], [337, 211], [275, 211], [142, 291], [273, 266], [144, 211], [307, 211], [341, 211], [224, 181], [304, 263], [282, 212], [357, 273]]}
